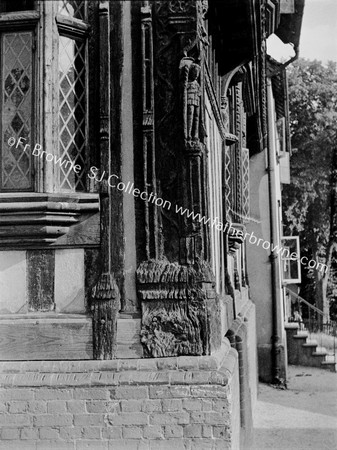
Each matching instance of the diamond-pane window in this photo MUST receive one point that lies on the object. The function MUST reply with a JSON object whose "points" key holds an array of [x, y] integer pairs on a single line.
{"points": [[16, 110], [72, 112], [72, 8]]}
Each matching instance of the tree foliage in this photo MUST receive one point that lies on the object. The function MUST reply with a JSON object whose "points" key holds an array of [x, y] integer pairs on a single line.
{"points": [[310, 200]]}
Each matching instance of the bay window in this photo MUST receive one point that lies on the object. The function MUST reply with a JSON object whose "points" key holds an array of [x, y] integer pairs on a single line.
{"points": [[44, 101], [43, 95]]}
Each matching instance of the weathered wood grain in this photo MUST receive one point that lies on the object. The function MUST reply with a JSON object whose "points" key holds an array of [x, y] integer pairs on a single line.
{"points": [[40, 279], [41, 339]]}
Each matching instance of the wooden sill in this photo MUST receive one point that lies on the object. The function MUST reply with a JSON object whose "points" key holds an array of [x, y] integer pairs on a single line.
{"points": [[41, 317], [41, 220], [45, 337]]}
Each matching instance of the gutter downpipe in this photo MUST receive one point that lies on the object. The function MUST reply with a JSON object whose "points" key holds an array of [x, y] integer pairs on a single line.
{"points": [[276, 297]]}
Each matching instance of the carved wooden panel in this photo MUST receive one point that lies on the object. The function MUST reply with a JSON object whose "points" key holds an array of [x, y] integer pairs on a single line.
{"points": [[180, 311], [176, 51], [173, 328]]}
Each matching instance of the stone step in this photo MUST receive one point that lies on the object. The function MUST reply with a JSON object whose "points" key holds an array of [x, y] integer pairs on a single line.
{"points": [[320, 351], [310, 343], [303, 351], [301, 335], [329, 365], [331, 359]]}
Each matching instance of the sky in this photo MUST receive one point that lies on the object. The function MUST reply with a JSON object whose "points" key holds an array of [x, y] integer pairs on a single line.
{"points": [[319, 30]]}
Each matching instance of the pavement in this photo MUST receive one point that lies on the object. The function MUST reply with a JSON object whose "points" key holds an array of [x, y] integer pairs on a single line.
{"points": [[302, 417]]}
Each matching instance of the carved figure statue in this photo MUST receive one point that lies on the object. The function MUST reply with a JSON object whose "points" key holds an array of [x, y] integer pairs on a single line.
{"points": [[193, 102]]}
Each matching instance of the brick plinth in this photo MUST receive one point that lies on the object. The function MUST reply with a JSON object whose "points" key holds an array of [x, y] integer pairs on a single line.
{"points": [[183, 402]]}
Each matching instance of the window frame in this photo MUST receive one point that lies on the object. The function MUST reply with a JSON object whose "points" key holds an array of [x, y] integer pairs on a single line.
{"points": [[24, 21], [288, 259], [45, 120], [46, 197], [77, 30]]}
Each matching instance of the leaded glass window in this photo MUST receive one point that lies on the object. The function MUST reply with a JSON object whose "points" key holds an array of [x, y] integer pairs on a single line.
{"points": [[72, 8], [16, 110], [23, 107], [72, 96], [72, 112]]}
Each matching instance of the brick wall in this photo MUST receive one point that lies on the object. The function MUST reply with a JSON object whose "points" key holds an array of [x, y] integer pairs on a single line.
{"points": [[184, 402]]}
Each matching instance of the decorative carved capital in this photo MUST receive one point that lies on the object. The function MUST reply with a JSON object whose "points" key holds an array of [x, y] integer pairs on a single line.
{"points": [[178, 304]]}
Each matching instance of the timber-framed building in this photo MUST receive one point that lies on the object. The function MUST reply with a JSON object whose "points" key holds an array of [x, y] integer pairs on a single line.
{"points": [[134, 138]]}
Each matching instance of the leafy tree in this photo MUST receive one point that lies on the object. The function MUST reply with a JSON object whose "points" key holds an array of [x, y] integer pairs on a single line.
{"points": [[310, 201]]}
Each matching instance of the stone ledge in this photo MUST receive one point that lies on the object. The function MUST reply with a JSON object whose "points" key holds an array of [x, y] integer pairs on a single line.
{"points": [[202, 363], [208, 370], [291, 326]]}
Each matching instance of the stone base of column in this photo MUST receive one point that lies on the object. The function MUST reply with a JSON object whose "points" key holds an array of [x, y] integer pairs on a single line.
{"points": [[187, 402]]}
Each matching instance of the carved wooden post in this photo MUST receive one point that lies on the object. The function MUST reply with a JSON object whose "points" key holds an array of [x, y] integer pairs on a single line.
{"points": [[150, 181], [180, 309], [105, 294]]}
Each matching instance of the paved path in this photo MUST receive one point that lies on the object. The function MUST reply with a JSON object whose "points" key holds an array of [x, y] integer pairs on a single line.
{"points": [[302, 417]]}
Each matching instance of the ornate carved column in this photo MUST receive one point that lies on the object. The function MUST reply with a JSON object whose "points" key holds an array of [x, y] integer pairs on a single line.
{"points": [[178, 48], [180, 311]]}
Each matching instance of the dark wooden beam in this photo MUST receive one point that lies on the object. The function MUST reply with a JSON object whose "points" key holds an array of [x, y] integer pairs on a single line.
{"points": [[105, 302]]}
